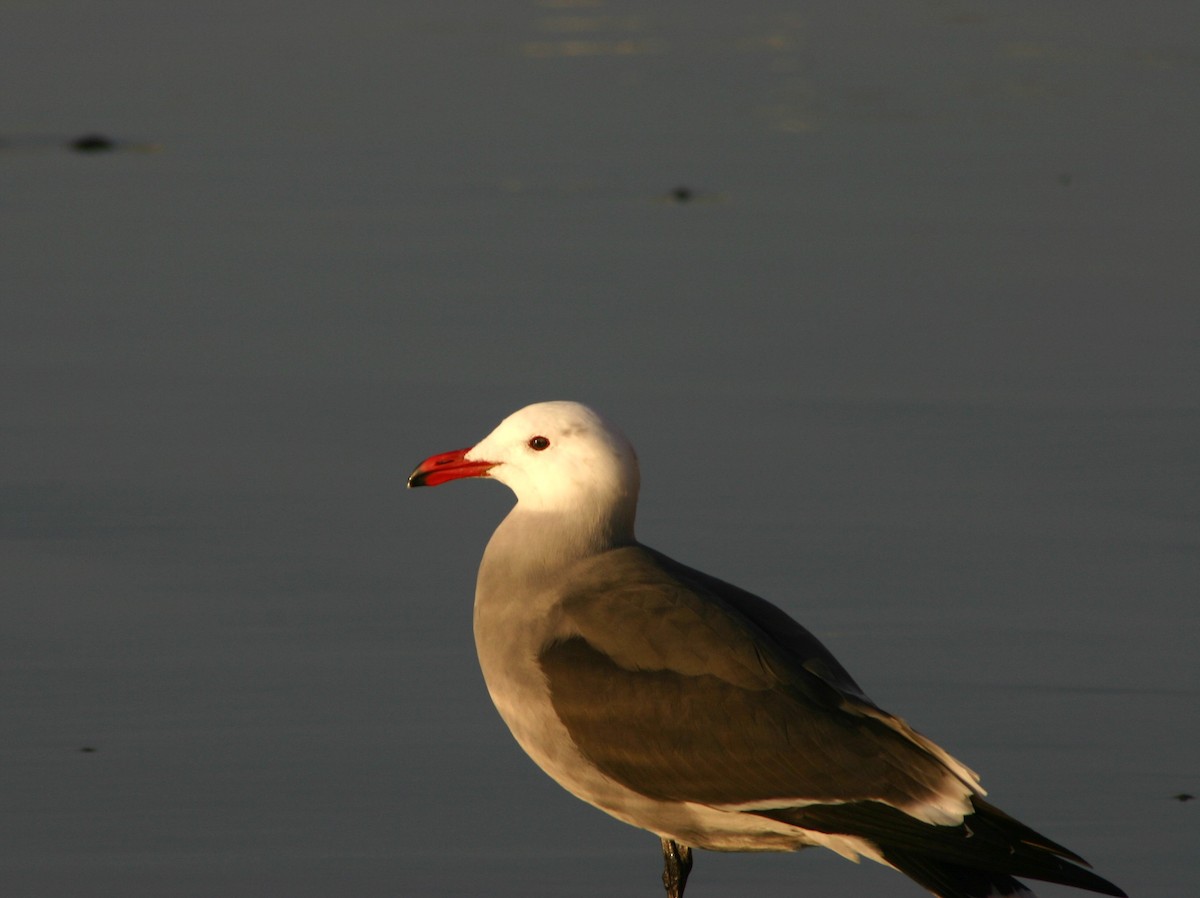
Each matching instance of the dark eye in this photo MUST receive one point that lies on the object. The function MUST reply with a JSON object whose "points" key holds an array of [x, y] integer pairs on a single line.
{"points": [[539, 443]]}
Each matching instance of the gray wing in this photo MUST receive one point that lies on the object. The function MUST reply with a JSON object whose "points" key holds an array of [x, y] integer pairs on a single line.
{"points": [[685, 688], [773, 624]]}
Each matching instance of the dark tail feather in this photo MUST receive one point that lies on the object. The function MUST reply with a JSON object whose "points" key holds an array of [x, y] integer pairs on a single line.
{"points": [[979, 858], [952, 881]]}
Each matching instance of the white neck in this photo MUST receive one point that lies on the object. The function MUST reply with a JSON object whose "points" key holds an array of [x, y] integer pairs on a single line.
{"points": [[530, 540]]}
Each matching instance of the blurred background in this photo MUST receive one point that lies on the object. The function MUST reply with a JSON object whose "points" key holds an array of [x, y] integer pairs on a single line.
{"points": [[900, 304]]}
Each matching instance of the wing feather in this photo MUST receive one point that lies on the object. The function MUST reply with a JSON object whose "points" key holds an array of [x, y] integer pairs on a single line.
{"points": [[673, 690]]}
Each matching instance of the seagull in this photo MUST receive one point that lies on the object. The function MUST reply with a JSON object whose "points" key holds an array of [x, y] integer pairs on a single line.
{"points": [[685, 706]]}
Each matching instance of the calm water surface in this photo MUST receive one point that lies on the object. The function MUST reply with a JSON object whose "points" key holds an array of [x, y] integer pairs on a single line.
{"points": [[917, 359]]}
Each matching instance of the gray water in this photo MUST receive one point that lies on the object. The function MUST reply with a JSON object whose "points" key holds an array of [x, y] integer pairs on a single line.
{"points": [[916, 359]]}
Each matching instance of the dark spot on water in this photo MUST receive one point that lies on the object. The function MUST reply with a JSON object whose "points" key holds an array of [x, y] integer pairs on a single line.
{"points": [[92, 143], [1184, 796], [88, 749], [681, 194]]}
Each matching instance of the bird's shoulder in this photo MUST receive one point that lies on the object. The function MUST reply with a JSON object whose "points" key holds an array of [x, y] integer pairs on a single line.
{"points": [[646, 611]]}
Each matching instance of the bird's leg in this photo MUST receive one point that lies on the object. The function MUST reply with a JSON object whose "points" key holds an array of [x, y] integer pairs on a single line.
{"points": [[677, 864]]}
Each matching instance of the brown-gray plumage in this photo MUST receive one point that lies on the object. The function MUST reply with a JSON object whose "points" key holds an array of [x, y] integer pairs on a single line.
{"points": [[694, 709], [671, 659]]}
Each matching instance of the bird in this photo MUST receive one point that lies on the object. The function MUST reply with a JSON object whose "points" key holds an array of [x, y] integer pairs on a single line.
{"points": [[696, 710]]}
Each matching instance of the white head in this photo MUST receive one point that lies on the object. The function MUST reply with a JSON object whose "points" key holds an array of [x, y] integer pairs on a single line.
{"points": [[559, 458]]}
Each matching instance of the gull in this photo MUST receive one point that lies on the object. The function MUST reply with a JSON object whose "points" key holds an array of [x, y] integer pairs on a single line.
{"points": [[685, 706]]}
